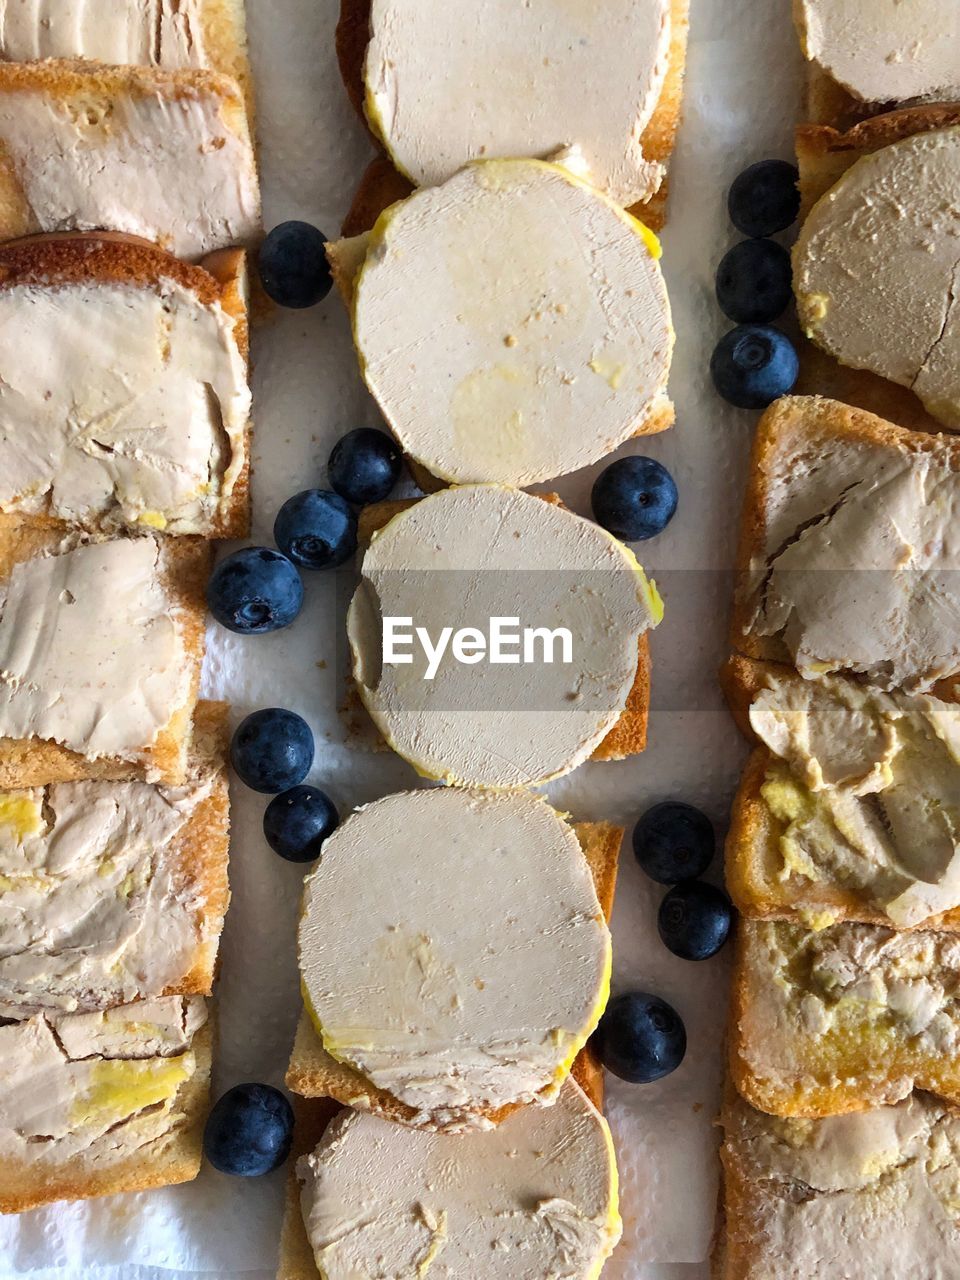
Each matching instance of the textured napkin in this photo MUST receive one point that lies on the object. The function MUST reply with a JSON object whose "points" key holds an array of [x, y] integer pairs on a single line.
{"points": [[742, 99]]}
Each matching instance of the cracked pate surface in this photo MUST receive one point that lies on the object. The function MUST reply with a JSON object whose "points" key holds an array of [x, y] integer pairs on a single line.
{"points": [[160, 33], [877, 265]]}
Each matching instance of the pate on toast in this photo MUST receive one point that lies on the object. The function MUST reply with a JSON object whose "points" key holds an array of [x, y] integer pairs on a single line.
{"points": [[140, 621], [115, 891], [134, 409], [825, 154], [847, 808], [166, 155], [150, 33], [314, 1073], [845, 1018], [842, 563], [96, 1104], [382, 183]]}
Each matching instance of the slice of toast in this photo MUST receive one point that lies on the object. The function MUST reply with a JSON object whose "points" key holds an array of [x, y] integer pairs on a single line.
{"points": [[628, 737], [127, 1116], [196, 33], [75, 445], [296, 1260], [314, 1073], [808, 461], [843, 1019], [166, 155], [764, 881], [853, 1196], [173, 589], [824, 155], [115, 916], [381, 184]]}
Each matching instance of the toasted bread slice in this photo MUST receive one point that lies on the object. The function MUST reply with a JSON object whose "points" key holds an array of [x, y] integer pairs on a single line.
{"points": [[381, 184], [850, 1196], [314, 1073], [176, 586], [801, 438], [137, 908], [166, 155], [202, 33], [824, 155], [128, 1117], [627, 738], [296, 1261], [843, 1019], [763, 881], [104, 313]]}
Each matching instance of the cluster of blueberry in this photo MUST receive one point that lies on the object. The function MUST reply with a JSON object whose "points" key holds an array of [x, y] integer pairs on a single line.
{"points": [[756, 363], [641, 1038]]}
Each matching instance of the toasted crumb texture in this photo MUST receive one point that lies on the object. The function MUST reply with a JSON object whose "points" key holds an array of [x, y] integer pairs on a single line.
{"points": [[381, 185], [89, 257], [843, 1019], [824, 155], [852, 1196], [167, 1160], [313, 1073], [184, 568]]}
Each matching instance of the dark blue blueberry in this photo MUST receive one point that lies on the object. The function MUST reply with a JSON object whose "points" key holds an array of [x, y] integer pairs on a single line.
{"points": [[673, 842], [297, 822], [755, 282], [254, 591], [634, 499], [640, 1038], [249, 1132], [695, 920], [272, 750], [316, 529], [293, 265], [753, 365], [364, 466], [765, 198]]}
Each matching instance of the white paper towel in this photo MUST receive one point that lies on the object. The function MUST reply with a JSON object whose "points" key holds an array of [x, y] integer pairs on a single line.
{"points": [[741, 102]]}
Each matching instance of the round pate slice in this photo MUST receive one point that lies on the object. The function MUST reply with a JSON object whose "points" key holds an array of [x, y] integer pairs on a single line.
{"points": [[454, 952], [513, 324], [883, 50], [518, 80], [536, 1197], [539, 614], [877, 269]]}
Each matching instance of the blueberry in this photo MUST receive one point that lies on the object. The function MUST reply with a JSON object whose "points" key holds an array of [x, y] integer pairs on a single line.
{"points": [[694, 920], [293, 265], [272, 750], [297, 822], [254, 591], [753, 365], [640, 1038], [316, 529], [755, 281], [673, 842], [365, 466], [249, 1132], [634, 499], [765, 198]]}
